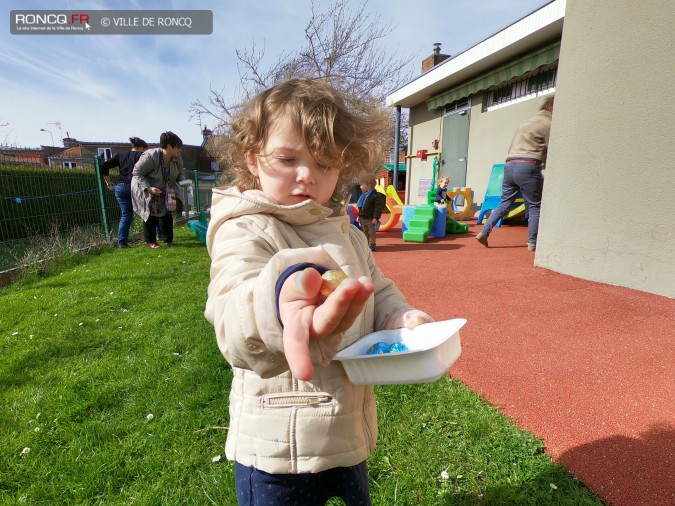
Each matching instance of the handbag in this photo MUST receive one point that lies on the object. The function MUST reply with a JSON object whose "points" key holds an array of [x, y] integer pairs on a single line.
{"points": [[155, 207], [170, 199]]}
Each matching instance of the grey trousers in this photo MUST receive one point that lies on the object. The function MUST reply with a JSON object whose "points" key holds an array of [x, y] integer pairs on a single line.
{"points": [[527, 179]]}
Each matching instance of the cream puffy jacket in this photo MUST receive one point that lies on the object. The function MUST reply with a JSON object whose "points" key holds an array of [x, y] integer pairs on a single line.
{"points": [[279, 424]]}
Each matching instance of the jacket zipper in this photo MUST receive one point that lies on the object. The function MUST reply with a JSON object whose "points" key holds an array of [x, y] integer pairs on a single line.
{"points": [[298, 399]]}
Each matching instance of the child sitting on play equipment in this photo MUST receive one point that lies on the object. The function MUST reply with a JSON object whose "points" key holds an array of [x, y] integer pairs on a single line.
{"points": [[370, 204], [442, 190]]}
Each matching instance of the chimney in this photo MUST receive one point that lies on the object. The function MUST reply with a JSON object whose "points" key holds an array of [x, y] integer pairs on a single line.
{"points": [[206, 133], [433, 60]]}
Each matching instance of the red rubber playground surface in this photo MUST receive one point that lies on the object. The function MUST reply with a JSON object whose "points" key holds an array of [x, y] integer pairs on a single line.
{"points": [[587, 367]]}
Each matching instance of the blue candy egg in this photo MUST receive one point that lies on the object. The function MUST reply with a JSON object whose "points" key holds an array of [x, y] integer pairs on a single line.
{"points": [[378, 349], [397, 347]]}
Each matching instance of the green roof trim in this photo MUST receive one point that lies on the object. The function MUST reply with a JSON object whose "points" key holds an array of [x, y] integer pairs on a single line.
{"points": [[522, 65], [390, 167]]}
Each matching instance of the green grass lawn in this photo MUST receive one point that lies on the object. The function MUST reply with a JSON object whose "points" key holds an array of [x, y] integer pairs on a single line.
{"points": [[113, 391]]}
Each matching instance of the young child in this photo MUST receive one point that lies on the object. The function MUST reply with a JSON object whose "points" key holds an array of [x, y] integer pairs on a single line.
{"points": [[299, 431], [442, 190], [370, 204]]}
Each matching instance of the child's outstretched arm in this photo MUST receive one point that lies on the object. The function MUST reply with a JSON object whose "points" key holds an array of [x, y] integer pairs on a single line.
{"points": [[306, 316]]}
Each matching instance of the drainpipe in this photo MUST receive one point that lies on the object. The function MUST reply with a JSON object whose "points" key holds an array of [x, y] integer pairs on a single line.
{"points": [[397, 142]]}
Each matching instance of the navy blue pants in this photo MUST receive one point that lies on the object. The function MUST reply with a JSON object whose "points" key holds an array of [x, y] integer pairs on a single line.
{"points": [[258, 488], [527, 179]]}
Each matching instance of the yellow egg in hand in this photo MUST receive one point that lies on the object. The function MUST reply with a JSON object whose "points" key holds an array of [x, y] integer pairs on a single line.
{"points": [[330, 281]]}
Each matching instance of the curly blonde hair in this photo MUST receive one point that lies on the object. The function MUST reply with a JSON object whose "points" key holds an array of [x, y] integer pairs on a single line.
{"points": [[351, 141]]}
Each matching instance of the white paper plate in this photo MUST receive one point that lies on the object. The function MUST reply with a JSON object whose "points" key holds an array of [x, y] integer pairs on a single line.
{"points": [[432, 349]]}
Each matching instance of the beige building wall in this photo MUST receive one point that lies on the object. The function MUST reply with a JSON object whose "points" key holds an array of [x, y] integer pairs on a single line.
{"points": [[609, 193], [425, 126]]}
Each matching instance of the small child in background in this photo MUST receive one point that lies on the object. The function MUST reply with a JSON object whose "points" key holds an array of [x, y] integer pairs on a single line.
{"points": [[370, 204], [442, 190], [299, 431]]}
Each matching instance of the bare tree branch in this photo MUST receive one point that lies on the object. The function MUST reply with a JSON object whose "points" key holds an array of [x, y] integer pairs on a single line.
{"points": [[345, 45]]}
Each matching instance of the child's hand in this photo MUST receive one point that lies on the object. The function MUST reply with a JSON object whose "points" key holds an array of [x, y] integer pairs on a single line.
{"points": [[415, 317], [408, 318], [306, 317]]}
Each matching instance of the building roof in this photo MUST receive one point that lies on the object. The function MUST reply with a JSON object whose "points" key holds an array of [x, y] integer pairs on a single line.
{"points": [[10, 154], [101, 144], [74, 152], [534, 30], [213, 145], [190, 155]]}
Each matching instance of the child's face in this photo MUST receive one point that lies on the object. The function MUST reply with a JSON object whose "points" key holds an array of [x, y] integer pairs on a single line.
{"points": [[444, 183], [288, 172], [365, 187]]}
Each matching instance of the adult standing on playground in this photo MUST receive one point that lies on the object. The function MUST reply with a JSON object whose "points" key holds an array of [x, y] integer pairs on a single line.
{"points": [[522, 172], [154, 176], [122, 187]]}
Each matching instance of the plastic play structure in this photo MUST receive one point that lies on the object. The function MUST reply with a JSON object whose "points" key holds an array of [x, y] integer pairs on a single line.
{"points": [[493, 196], [460, 214], [393, 204], [435, 174], [429, 220], [458, 191], [199, 227]]}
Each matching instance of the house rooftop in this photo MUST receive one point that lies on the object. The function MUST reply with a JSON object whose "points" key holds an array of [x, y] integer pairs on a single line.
{"points": [[74, 152], [532, 31]]}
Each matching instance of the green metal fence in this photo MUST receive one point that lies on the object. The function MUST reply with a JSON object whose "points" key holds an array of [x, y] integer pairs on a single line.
{"points": [[36, 199]]}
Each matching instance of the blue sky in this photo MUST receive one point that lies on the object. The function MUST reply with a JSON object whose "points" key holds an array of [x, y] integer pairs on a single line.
{"points": [[111, 87]]}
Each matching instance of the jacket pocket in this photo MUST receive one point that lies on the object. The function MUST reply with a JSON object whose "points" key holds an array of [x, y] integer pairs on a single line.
{"points": [[296, 399]]}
